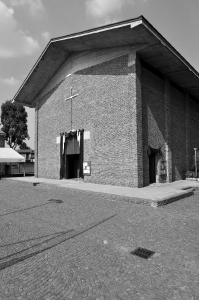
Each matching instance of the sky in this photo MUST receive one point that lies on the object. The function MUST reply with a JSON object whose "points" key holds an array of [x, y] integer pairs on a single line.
{"points": [[26, 26]]}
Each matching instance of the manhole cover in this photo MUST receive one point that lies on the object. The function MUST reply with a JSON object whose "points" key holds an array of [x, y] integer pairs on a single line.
{"points": [[56, 200], [142, 252]]}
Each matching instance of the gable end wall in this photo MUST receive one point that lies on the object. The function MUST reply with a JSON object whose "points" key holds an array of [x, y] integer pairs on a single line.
{"points": [[106, 108]]}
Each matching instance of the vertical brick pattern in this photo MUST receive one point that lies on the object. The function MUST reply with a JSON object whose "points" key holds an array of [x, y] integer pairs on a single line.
{"points": [[103, 107]]}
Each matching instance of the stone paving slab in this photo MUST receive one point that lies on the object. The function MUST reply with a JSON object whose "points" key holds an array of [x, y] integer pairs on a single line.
{"points": [[154, 195]]}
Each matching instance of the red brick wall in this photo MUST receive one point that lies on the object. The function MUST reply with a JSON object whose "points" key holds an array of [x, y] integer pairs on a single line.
{"points": [[105, 107]]}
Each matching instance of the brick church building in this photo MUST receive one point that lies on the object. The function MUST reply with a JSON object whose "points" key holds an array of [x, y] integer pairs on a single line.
{"points": [[115, 105]]}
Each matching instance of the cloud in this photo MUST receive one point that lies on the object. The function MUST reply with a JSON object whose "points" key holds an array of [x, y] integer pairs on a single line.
{"points": [[45, 36], [35, 6], [14, 42], [10, 81], [105, 8]]}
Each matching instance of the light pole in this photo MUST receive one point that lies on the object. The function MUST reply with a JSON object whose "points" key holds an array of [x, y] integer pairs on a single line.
{"points": [[196, 167]]}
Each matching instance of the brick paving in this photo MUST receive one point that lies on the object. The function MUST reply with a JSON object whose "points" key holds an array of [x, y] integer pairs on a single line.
{"points": [[80, 249]]}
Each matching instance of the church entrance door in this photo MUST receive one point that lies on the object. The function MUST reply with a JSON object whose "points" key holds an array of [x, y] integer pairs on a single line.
{"points": [[72, 166], [71, 150]]}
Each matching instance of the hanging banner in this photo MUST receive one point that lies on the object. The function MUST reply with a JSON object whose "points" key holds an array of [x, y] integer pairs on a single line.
{"points": [[78, 136]]}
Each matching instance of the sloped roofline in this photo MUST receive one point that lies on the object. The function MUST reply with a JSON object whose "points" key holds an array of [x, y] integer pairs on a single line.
{"points": [[141, 20], [76, 35], [129, 22]]}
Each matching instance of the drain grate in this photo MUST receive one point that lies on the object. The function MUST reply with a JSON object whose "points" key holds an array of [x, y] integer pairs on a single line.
{"points": [[56, 200], [142, 252]]}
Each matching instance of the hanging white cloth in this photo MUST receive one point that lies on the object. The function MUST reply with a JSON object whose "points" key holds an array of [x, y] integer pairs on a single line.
{"points": [[64, 138], [78, 136]]}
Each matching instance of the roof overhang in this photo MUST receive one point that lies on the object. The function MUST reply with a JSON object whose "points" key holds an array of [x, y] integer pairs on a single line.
{"points": [[158, 53], [8, 155]]}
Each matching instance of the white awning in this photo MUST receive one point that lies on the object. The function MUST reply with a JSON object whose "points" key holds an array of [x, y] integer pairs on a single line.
{"points": [[8, 155]]}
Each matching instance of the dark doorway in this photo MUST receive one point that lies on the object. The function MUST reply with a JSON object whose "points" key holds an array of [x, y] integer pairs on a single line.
{"points": [[73, 166], [152, 167], [71, 154]]}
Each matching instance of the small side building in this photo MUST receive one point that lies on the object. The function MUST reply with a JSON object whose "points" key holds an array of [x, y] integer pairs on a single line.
{"points": [[28, 154], [8, 157], [11, 162], [27, 168]]}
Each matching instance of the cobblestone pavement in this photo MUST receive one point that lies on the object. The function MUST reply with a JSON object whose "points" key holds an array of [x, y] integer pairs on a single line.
{"points": [[79, 248]]}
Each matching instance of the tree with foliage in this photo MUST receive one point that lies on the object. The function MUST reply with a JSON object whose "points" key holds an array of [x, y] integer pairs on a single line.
{"points": [[14, 121], [24, 146]]}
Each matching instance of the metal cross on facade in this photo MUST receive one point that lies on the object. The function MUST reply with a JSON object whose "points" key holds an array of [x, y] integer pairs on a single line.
{"points": [[71, 103]]}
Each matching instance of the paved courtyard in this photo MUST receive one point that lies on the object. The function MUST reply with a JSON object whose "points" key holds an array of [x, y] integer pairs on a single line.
{"points": [[78, 247]]}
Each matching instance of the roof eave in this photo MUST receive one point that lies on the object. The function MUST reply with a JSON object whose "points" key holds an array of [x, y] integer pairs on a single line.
{"points": [[166, 44]]}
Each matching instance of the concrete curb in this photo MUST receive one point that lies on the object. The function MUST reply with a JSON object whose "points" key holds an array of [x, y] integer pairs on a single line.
{"points": [[161, 201], [175, 194], [182, 193], [167, 200]]}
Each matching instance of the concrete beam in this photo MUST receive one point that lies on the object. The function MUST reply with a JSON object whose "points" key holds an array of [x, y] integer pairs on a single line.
{"points": [[135, 90], [167, 109], [187, 128]]}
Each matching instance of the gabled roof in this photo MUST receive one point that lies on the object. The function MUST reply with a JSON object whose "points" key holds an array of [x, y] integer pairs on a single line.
{"points": [[158, 53], [8, 155]]}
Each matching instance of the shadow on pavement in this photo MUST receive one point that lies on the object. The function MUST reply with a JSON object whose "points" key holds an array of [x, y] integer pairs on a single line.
{"points": [[33, 239], [26, 208], [46, 244]]}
